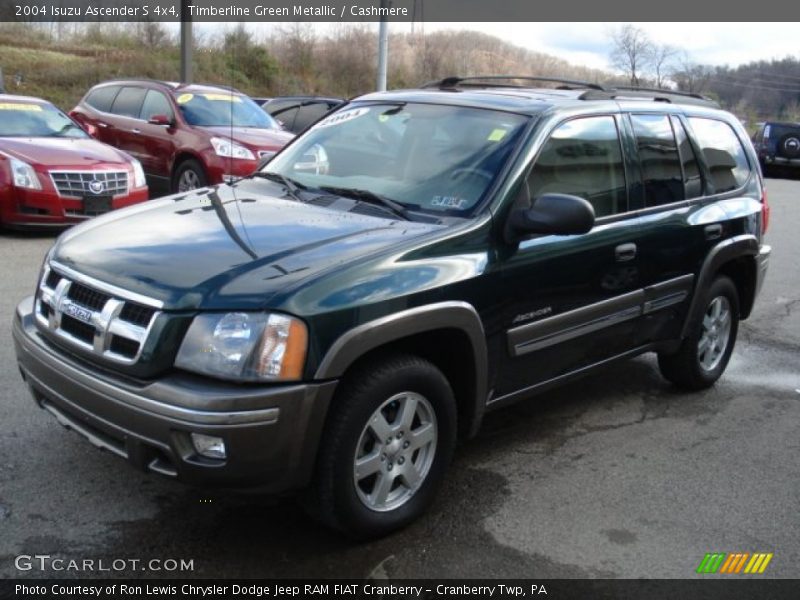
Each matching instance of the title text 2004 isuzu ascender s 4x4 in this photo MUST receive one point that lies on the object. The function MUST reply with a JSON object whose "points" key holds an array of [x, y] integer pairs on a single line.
{"points": [[336, 322]]}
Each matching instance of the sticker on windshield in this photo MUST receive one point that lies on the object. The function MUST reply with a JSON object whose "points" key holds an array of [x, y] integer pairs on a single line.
{"points": [[497, 135], [184, 98], [19, 106], [342, 117], [449, 202], [222, 97]]}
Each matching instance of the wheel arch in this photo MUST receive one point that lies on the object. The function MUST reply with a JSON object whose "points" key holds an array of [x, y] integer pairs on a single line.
{"points": [[181, 157], [448, 334], [735, 258]]}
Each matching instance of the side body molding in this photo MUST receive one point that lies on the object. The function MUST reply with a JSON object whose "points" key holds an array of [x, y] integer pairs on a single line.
{"points": [[730, 249], [460, 316]]}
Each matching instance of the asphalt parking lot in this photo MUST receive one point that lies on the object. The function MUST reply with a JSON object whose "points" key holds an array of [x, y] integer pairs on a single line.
{"points": [[617, 475]]}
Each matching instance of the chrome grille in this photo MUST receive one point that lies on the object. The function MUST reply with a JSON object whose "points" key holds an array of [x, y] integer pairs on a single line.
{"points": [[102, 321], [77, 184]]}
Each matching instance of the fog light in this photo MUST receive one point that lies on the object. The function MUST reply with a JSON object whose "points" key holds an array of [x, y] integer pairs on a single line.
{"points": [[208, 445]]}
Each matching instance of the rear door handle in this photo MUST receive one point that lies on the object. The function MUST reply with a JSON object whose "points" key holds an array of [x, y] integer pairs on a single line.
{"points": [[625, 252], [135, 130], [713, 232], [101, 124]]}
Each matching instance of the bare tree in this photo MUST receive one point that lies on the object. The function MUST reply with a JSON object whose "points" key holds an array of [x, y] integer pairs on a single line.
{"points": [[690, 76], [631, 51], [660, 59]]}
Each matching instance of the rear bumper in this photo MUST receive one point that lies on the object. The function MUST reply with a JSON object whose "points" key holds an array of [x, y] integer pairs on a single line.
{"points": [[270, 444], [762, 264]]}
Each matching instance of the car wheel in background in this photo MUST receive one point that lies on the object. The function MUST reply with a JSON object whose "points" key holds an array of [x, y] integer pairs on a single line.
{"points": [[189, 175]]}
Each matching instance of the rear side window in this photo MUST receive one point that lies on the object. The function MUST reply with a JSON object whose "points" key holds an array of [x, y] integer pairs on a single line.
{"points": [[309, 114], [102, 98], [583, 158], [128, 102], [156, 103], [658, 157], [692, 181], [723, 152]]}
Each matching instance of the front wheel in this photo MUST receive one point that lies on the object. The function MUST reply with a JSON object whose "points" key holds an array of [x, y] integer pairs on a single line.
{"points": [[704, 354], [386, 447], [189, 176]]}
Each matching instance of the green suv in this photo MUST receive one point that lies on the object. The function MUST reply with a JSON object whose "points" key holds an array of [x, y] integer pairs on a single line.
{"points": [[335, 323]]}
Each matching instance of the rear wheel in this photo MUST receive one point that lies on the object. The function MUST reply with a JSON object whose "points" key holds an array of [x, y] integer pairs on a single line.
{"points": [[704, 354], [189, 175], [386, 447]]}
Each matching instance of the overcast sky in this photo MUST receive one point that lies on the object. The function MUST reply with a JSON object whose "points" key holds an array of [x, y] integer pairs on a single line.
{"points": [[588, 43]]}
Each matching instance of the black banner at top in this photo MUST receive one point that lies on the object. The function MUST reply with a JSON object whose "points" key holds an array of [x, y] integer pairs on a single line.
{"points": [[514, 11]]}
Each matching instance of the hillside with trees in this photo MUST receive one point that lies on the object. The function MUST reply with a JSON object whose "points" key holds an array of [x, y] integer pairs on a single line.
{"points": [[61, 61]]}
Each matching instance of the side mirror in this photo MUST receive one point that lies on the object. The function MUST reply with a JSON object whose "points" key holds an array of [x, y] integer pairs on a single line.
{"points": [[555, 214], [162, 120]]}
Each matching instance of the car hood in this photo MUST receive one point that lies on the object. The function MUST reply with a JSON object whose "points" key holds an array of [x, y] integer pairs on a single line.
{"points": [[258, 138], [62, 152], [229, 247]]}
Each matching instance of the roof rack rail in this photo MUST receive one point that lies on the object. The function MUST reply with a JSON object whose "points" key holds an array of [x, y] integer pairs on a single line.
{"points": [[654, 94], [454, 82], [173, 84]]}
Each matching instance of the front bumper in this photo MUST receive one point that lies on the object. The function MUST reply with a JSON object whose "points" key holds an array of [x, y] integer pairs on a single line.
{"points": [[271, 433], [25, 209]]}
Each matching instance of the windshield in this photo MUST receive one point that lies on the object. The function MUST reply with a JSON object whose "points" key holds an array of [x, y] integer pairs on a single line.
{"points": [[220, 109], [436, 158], [23, 119]]}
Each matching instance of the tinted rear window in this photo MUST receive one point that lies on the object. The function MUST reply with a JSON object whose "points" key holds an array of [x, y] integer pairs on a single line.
{"points": [[723, 152], [128, 102], [101, 98]]}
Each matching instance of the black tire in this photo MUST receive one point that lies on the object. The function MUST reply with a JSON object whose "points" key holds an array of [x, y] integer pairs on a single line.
{"points": [[685, 368], [335, 497], [191, 170], [789, 145]]}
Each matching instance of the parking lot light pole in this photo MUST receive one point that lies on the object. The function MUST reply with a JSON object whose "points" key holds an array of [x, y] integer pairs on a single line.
{"points": [[186, 42], [383, 49]]}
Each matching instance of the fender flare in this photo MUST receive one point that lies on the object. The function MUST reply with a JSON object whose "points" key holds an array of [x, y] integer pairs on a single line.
{"points": [[727, 250], [461, 316]]}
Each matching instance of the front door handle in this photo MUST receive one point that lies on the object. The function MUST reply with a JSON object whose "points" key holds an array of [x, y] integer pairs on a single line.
{"points": [[137, 131], [625, 252], [101, 124], [713, 232]]}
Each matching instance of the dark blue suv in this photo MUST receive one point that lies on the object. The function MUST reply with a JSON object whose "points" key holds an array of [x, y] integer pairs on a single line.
{"points": [[778, 144]]}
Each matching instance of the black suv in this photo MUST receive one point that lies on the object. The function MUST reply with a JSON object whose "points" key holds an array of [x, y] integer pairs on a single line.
{"points": [[778, 144], [336, 322]]}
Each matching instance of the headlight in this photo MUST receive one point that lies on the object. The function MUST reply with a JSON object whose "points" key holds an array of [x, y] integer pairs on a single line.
{"points": [[24, 175], [245, 347], [230, 149], [138, 174]]}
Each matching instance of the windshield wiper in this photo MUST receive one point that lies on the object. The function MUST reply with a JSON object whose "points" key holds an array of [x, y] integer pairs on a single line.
{"points": [[370, 197], [292, 187], [65, 129]]}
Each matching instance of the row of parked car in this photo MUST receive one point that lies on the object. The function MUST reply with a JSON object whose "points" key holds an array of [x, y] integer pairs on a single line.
{"points": [[127, 140]]}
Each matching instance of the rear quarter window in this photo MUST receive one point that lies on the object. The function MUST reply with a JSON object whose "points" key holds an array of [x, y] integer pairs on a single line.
{"points": [[723, 152], [102, 98]]}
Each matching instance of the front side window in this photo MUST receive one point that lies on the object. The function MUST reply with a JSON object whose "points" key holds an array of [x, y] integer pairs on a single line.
{"points": [[658, 157], [222, 109], [156, 103], [436, 158], [583, 158], [25, 119], [723, 152]]}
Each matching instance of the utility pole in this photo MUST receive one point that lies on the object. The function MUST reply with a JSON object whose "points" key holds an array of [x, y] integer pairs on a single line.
{"points": [[383, 48], [186, 42]]}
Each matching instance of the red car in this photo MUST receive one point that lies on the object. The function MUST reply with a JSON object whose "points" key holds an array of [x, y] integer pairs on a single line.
{"points": [[53, 174], [186, 136]]}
